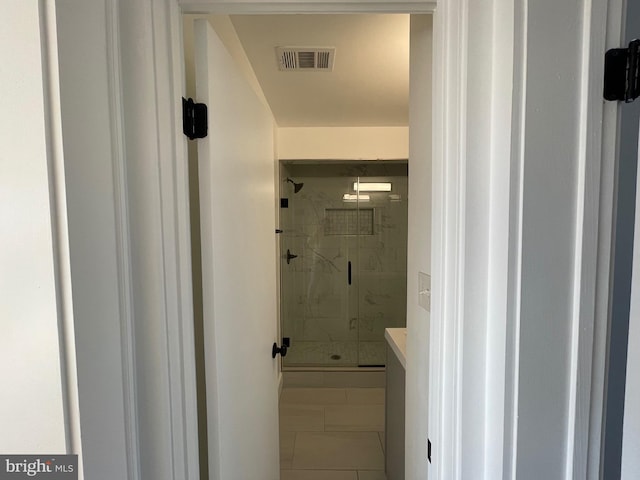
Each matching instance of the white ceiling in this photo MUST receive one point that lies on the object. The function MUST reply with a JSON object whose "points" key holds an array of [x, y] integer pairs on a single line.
{"points": [[369, 85]]}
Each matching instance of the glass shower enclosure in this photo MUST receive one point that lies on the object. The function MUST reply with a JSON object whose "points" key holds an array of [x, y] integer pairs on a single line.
{"points": [[343, 260]]}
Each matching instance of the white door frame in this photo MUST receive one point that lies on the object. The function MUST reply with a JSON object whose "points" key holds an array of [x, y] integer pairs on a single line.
{"points": [[448, 22], [594, 242], [450, 152], [597, 132]]}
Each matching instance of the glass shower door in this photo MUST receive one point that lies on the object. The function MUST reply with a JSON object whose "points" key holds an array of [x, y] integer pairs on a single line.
{"points": [[319, 297], [343, 261]]}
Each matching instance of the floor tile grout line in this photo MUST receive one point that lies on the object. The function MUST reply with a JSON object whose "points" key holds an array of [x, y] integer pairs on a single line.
{"points": [[293, 453], [380, 442], [324, 419]]}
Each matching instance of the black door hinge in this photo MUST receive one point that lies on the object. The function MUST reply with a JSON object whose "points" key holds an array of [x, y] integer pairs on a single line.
{"points": [[622, 73], [194, 119]]}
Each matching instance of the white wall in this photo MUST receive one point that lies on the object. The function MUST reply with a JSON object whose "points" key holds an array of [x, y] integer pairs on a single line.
{"points": [[227, 33], [32, 405], [419, 247], [58, 210], [38, 408], [343, 143]]}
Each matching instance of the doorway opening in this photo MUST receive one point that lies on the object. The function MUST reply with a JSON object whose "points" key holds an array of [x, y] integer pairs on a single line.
{"points": [[363, 138]]}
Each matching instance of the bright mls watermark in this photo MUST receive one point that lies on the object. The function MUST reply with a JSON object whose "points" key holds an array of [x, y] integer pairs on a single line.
{"points": [[51, 467]]}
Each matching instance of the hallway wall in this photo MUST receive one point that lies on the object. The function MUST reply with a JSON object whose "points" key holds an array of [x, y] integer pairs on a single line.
{"points": [[32, 411], [343, 143], [419, 248]]}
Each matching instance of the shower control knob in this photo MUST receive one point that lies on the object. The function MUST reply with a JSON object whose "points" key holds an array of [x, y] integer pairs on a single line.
{"points": [[290, 256], [278, 350]]}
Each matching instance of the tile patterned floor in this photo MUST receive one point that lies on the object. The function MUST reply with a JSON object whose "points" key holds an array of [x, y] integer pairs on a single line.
{"points": [[332, 433]]}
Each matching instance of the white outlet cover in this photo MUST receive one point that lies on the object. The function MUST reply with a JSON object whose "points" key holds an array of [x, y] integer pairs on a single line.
{"points": [[424, 291]]}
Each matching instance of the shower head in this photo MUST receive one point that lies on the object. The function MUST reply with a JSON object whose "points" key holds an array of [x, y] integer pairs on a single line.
{"points": [[296, 186]]}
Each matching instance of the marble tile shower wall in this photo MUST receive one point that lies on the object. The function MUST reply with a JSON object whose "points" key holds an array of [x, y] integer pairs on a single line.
{"points": [[331, 322]]}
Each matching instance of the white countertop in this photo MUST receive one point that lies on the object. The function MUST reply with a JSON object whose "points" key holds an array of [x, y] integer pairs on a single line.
{"points": [[397, 340]]}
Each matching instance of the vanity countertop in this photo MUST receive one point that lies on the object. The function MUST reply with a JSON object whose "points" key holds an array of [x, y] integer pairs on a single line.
{"points": [[397, 340]]}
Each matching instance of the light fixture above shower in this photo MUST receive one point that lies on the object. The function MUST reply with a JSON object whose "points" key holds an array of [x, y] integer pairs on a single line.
{"points": [[296, 186], [371, 186]]}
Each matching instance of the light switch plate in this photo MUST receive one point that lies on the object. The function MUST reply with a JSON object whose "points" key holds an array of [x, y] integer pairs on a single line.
{"points": [[424, 291]]}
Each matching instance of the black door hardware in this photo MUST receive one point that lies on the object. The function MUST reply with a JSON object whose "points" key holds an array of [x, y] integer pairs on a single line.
{"points": [[349, 272], [622, 73], [278, 350], [290, 256], [194, 119]]}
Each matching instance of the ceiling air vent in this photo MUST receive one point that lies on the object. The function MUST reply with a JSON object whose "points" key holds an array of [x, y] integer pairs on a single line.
{"points": [[305, 58]]}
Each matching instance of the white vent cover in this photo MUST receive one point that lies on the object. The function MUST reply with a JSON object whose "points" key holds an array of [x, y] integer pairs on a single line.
{"points": [[305, 58]]}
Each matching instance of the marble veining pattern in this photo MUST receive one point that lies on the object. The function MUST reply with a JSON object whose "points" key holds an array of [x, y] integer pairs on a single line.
{"points": [[329, 321]]}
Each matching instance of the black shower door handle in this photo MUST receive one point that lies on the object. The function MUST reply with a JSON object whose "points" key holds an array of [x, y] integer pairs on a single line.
{"points": [[349, 272]]}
